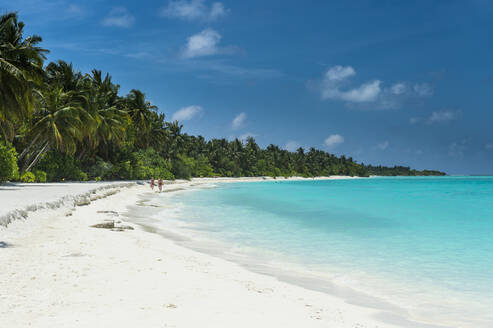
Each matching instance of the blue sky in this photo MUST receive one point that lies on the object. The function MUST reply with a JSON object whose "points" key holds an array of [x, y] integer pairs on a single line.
{"points": [[390, 82]]}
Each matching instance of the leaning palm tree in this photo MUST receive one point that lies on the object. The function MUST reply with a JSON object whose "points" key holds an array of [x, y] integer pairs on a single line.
{"points": [[21, 69], [59, 122]]}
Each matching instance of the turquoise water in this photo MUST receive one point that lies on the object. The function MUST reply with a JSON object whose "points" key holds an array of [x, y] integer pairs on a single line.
{"points": [[422, 244]]}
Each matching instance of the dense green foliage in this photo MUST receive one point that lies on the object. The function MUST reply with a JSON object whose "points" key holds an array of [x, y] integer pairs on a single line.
{"points": [[27, 177], [66, 125], [40, 176], [8, 163], [400, 171]]}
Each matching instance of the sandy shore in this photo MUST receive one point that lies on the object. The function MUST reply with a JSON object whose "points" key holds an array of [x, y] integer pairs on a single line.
{"points": [[58, 271]]}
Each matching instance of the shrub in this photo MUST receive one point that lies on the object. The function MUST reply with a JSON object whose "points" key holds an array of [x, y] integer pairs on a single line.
{"points": [[202, 167], [140, 171], [83, 176], [40, 176], [61, 167], [149, 157], [183, 167], [163, 173], [8, 163], [149, 163], [100, 169], [122, 171], [28, 177]]}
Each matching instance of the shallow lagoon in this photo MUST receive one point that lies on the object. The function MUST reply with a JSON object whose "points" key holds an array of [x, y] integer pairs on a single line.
{"points": [[422, 246]]}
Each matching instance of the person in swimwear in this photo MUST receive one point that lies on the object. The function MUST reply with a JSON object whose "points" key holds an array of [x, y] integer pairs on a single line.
{"points": [[152, 183], [160, 184]]}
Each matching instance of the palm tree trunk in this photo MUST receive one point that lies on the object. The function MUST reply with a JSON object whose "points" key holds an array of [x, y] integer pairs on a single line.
{"points": [[38, 156], [81, 154], [28, 158], [25, 151]]}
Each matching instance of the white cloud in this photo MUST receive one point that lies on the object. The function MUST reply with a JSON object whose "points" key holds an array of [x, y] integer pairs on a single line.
{"points": [[187, 113], [202, 44], [333, 140], [382, 146], [365, 93], [441, 117], [423, 89], [334, 79], [194, 10], [339, 73], [239, 120], [336, 86], [436, 117], [217, 10], [292, 146], [400, 92], [398, 88], [119, 17]]}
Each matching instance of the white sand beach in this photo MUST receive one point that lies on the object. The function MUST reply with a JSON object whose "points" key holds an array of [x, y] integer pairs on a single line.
{"points": [[58, 271]]}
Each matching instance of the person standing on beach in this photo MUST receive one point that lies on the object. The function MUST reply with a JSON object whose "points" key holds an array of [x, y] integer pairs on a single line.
{"points": [[152, 183], [160, 184]]}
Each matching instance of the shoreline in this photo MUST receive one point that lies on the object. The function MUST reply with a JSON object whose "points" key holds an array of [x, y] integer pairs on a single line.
{"points": [[296, 275], [34, 196], [41, 246]]}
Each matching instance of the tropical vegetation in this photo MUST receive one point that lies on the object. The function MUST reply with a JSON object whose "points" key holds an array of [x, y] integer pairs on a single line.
{"points": [[57, 123]]}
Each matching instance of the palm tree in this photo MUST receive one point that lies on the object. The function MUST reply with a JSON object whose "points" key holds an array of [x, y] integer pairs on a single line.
{"points": [[58, 124], [63, 74], [175, 140], [108, 122], [140, 111], [21, 69], [157, 133]]}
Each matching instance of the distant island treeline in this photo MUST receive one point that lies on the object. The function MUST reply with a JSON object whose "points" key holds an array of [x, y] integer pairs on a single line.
{"points": [[59, 124]]}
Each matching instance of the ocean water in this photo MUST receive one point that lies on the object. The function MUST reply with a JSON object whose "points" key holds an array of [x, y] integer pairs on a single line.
{"points": [[421, 247]]}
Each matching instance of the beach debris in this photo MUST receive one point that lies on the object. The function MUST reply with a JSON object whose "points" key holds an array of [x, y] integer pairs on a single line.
{"points": [[122, 228], [105, 225], [111, 225], [75, 255], [109, 212]]}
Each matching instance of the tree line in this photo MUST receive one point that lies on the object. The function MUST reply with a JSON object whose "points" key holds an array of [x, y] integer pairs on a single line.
{"points": [[57, 124]]}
